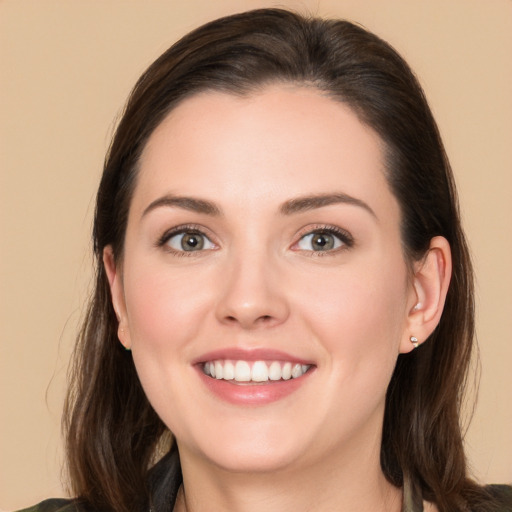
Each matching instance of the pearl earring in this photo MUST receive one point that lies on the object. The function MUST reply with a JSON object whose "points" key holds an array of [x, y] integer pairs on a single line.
{"points": [[128, 349], [414, 341]]}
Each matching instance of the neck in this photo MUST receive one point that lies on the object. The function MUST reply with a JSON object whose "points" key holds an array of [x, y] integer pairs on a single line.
{"points": [[358, 485]]}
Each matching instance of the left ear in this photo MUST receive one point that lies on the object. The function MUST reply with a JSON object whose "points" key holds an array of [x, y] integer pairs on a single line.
{"points": [[117, 295], [430, 285]]}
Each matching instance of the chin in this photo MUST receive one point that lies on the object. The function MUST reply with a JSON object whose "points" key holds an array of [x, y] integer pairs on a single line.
{"points": [[253, 460], [260, 449]]}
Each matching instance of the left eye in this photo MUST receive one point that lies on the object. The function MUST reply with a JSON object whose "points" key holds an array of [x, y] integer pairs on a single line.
{"points": [[319, 241], [189, 241]]}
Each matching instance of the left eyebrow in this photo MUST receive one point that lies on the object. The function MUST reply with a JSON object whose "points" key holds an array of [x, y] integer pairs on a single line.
{"points": [[186, 203], [302, 204]]}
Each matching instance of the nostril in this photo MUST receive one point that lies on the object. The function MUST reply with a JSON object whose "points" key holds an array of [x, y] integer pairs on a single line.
{"points": [[263, 319]]}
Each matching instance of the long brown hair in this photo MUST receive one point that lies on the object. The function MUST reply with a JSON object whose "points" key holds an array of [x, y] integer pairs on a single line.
{"points": [[113, 434]]}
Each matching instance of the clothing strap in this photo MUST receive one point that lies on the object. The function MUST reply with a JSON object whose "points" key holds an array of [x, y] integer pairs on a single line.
{"points": [[413, 497]]}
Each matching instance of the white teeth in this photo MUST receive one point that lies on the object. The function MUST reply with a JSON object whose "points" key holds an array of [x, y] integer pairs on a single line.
{"points": [[287, 371], [296, 370], [274, 372], [242, 371], [257, 371], [218, 370], [229, 371]]}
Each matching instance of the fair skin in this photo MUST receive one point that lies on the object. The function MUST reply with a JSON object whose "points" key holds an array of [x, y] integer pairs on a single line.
{"points": [[225, 261]]}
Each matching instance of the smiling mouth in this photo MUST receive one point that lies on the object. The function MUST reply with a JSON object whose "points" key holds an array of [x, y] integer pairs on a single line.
{"points": [[254, 371]]}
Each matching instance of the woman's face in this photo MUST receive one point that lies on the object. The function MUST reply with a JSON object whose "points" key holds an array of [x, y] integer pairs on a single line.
{"points": [[263, 288]]}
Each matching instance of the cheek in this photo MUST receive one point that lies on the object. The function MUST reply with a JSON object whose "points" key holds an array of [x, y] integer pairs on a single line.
{"points": [[163, 306], [164, 311], [361, 312]]}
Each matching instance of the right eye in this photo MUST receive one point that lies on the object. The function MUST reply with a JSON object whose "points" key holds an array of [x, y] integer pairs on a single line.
{"points": [[321, 241], [189, 241]]}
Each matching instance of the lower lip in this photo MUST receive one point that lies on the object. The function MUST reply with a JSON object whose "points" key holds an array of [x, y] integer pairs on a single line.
{"points": [[252, 393]]}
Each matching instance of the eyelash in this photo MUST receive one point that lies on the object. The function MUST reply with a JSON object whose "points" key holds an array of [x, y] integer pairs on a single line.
{"points": [[193, 229], [343, 236]]}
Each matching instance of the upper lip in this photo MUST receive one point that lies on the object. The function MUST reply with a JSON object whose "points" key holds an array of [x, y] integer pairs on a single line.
{"points": [[256, 354]]}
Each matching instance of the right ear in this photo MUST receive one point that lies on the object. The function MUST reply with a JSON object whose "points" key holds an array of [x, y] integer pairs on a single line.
{"points": [[117, 295]]}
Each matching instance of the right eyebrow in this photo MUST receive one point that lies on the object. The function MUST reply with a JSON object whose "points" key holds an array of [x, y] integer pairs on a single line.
{"points": [[301, 204], [187, 203]]}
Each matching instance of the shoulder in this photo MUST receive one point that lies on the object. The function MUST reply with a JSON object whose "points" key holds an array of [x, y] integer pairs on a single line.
{"points": [[53, 505], [57, 505], [503, 496]]}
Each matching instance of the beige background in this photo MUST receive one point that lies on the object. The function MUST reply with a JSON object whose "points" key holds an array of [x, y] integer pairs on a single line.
{"points": [[66, 69]]}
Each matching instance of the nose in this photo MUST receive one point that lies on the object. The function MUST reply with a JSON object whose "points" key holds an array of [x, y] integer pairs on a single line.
{"points": [[252, 294]]}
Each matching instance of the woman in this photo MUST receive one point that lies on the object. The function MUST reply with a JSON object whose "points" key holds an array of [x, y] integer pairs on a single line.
{"points": [[282, 284]]}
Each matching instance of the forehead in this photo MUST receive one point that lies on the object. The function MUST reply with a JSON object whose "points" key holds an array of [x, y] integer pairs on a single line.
{"points": [[268, 146]]}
